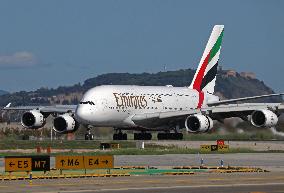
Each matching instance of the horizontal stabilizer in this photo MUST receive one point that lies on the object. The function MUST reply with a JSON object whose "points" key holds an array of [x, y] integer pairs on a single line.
{"points": [[8, 105]]}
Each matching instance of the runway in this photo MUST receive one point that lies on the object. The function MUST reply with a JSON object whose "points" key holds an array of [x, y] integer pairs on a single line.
{"points": [[200, 183], [269, 161]]}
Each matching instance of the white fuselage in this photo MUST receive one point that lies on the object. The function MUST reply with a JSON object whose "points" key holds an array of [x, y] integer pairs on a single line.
{"points": [[114, 106]]}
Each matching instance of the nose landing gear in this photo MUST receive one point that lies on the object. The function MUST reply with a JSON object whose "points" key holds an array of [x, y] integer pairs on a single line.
{"points": [[89, 135]]}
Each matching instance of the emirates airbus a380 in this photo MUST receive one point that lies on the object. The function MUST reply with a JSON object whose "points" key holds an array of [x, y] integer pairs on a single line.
{"points": [[157, 108]]}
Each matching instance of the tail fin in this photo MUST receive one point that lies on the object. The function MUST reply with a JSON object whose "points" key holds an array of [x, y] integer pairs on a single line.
{"points": [[205, 76]]}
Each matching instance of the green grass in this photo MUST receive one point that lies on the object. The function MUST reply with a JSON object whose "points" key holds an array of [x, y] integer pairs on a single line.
{"points": [[147, 151], [58, 144], [258, 136]]}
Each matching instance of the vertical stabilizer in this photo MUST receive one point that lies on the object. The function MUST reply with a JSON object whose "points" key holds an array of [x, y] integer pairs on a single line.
{"points": [[205, 76]]}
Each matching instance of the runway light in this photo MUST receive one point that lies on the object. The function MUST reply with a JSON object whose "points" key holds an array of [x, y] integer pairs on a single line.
{"points": [[222, 163]]}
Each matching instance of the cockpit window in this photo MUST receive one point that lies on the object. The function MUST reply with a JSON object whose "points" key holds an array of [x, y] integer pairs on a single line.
{"points": [[87, 102]]}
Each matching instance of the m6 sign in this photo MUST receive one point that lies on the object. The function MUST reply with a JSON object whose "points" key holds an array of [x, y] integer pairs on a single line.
{"points": [[69, 162], [83, 162]]}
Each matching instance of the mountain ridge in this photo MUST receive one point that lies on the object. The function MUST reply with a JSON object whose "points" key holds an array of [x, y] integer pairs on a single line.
{"points": [[229, 84]]}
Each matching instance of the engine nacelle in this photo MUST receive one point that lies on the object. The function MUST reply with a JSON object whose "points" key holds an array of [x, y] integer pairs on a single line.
{"points": [[65, 124], [33, 119], [263, 118], [198, 123]]}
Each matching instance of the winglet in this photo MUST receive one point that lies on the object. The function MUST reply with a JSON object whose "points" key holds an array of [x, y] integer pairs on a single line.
{"points": [[8, 105]]}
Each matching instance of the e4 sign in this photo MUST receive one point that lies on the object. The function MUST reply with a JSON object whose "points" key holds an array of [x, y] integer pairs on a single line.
{"points": [[98, 162]]}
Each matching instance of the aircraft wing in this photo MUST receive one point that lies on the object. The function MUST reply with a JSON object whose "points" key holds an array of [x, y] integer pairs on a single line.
{"points": [[219, 113], [45, 109], [243, 99]]}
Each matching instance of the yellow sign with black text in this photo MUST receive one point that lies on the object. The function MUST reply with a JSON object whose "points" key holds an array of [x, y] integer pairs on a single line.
{"points": [[205, 148], [83, 162], [208, 148], [98, 162], [223, 148], [69, 162], [18, 164]]}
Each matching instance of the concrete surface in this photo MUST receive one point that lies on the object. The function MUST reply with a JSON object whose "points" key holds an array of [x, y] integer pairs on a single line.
{"points": [[199, 183], [270, 161], [253, 145]]}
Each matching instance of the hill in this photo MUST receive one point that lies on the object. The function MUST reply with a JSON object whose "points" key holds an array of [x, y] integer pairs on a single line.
{"points": [[230, 84], [2, 92]]}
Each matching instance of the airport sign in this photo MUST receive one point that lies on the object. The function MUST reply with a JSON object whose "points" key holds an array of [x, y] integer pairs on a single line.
{"points": [[214, 147], [223, 148], [209, 148], [41, 163], [205, 147], [27, 163], [14, 164], [98, 162], [83, 162], [69, 162]]}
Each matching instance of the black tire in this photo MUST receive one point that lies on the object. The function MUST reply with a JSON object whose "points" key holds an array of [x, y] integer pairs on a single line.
{"points": [[124, 136], [160, 136], [148, 136], [87, 137], [119, 136], [180, 136], [115, 136], [136, 136], [91, 137]]}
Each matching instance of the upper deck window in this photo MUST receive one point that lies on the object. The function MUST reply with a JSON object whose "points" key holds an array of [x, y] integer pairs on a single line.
{"points": [[87, 102]]}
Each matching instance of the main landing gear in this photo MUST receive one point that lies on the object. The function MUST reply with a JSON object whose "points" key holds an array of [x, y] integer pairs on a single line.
{"points": [[89, 135], [170, 136], [177, 135], [120, 136], [142, 136]]}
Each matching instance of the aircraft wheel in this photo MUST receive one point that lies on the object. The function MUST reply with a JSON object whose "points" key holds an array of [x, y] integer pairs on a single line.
{"points": [[91, 137], [87, 136], [148, 136], [160, 136], [137, 136], [115, 136], [180, 136], [124, 136]]}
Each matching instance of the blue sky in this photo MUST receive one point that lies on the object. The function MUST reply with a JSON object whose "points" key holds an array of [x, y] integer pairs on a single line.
{"points": [[63, 42]]}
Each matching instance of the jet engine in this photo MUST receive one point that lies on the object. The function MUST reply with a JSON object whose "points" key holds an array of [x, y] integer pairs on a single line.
{"points": [[32, 119], [263, 118], [198, 123], [65, 124]]}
